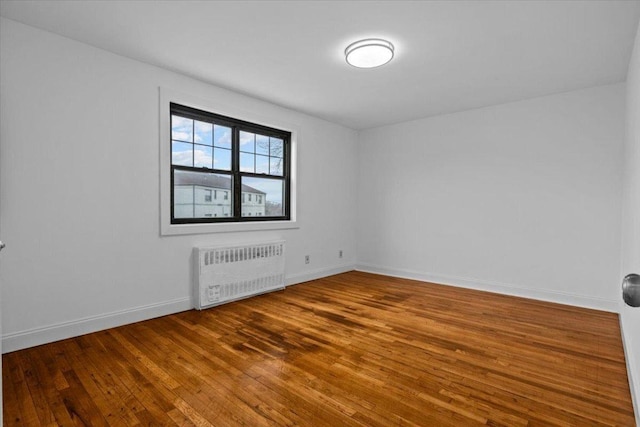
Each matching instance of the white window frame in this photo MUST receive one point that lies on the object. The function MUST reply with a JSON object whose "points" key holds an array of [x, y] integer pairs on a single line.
{"points": [[168, 96]]}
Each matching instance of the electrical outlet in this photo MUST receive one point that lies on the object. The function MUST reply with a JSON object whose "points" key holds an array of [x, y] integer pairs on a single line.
{"points": [[340, 253], [306, 259]]}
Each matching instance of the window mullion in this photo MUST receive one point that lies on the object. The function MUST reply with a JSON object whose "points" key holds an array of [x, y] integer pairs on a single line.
{"points": [[193, 147], [235, 159]]}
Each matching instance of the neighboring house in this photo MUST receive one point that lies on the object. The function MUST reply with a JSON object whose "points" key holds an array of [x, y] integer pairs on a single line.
{"points": [[202, 195]]}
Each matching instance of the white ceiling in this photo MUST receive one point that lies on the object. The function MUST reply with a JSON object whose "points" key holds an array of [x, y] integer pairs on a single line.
{"points": [[450, 55]]}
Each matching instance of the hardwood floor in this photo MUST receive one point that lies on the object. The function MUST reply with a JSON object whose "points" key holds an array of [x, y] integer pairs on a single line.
{"points": [[354, 349]]}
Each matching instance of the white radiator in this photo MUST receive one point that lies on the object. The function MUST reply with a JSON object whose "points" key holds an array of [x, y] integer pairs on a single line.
{"points": [[224, 274]]}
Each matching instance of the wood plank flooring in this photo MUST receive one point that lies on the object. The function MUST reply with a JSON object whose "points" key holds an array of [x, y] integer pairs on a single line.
{"points": [[354, 349]]}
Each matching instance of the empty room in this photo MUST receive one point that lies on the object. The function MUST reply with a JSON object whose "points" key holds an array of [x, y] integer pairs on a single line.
{"points": [[320, 213]]}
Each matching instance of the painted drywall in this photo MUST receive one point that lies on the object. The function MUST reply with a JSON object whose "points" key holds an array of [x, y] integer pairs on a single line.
{"points": [[79, 178], [630, 317], [521, 198]]}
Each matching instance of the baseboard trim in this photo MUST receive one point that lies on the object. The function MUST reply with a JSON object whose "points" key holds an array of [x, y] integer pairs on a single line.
{"points": [[59, 331], [46, 334], [631, 368], [496, 287], [318, 274]]}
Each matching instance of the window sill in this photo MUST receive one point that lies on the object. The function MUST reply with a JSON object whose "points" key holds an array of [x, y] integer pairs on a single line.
{"points": [[182, 229]]}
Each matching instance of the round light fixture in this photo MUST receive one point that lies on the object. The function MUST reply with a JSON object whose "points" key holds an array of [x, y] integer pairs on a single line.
{"points": [[369, 53]]}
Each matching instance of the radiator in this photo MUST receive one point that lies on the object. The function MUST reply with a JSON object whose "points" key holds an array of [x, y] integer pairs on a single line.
{"points": [[224, 274]]}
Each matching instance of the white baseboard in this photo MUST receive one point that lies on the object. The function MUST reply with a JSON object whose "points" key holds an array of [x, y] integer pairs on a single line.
{"points": [[59, 331], [631, 370], [46, 334], [497, 287], [318, 274], [42, 335]]}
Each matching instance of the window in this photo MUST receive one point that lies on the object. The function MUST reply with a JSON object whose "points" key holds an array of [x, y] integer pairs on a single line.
{"points": [[211, 153]]}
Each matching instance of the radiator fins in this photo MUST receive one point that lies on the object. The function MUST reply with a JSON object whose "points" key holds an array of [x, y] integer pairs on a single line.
{"points": [[224, 274]]}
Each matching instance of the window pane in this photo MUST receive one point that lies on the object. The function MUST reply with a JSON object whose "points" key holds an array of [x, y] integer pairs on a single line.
{"points": [[267, 199], [182, 154], [202, 156], [222, 159], [247, 142], [192, 195], [262, 144], [276, 166], [181, 128], [246, 162], [276, 147], [204, 133], [262, 164], [221, 136]]}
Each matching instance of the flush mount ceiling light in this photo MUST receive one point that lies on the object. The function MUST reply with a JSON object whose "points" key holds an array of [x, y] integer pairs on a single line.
{"points": [[369, 53]]}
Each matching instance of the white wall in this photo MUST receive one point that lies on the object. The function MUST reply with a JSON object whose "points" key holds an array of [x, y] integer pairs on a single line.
{"points": [[521, 198], [630, 317], [79, 178]]}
